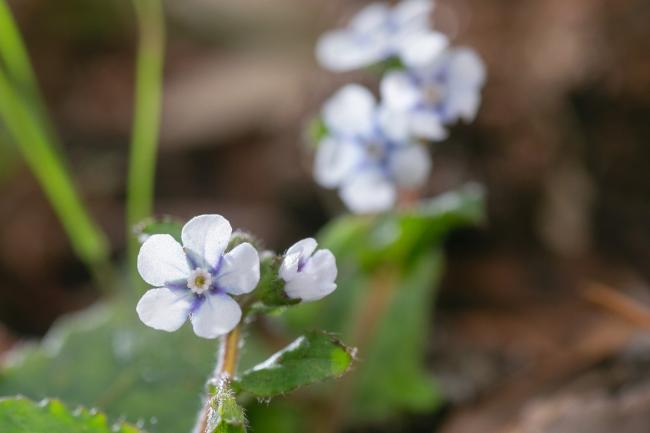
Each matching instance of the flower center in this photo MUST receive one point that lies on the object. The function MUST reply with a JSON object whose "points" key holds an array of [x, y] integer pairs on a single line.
{"points": [[376, 150], [432, 93], [199, 281]]}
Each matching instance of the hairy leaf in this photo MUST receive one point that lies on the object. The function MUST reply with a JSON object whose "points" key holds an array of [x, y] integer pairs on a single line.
{"points": [[312, 358], [104, 357], [20, 415]]}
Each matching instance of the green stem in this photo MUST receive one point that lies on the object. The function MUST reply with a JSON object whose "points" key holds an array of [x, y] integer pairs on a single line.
{"points": [[146, 120], [87, 239]]}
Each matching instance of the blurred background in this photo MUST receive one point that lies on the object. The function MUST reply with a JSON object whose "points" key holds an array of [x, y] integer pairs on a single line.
{"points": [[542, 323]]}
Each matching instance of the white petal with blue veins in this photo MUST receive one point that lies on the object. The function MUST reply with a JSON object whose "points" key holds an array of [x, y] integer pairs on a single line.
{"points": [[323, 265], [368, 191], [428, 125], [207, 236], [335, 160], [305, 247], [161, 259], [240, 270], [410, 165], [165, 309], [420, 49], [413, 13], [399, 91], [217, 315], [343, 50], [350, 111]]}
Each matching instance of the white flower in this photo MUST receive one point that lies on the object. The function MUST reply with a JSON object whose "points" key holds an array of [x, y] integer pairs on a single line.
{"points": [[367, 153], [196, 280], [379, 32], [308, 275], [437, 94]]}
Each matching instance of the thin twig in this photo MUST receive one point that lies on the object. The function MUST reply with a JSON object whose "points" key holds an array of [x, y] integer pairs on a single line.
{"points": [[624, 306], [379, 296]]}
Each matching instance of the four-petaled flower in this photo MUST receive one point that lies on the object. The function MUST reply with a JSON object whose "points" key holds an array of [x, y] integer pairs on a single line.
{"points": [[308, 275], [379, 32], [367, 153], [197, 279], [436, 94]]}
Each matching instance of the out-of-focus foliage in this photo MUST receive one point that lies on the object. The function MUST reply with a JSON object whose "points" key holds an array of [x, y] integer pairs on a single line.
{"points": [[389, 268], [20, 415]]}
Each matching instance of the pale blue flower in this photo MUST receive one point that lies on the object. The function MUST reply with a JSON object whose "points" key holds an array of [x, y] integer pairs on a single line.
{"points": [[367, 154], [379, 32], [197, 279], [436, 94], [308, 275]]}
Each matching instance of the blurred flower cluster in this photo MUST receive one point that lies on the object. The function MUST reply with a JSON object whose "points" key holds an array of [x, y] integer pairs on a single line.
{"points": [[370, 150]]}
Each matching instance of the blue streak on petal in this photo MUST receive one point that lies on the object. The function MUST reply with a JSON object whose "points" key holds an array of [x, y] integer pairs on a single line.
{"points": [[177, 285], [196, 303]]}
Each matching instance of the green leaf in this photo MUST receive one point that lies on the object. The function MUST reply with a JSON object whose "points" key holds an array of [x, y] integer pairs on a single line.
{"points": [[105, 357], [312, 358], [20, 415], [163, 225]]}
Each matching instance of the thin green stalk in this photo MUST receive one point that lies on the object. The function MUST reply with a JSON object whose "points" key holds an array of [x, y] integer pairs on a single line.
{"points": [[33, 142], [14, 57], [146, 120]]}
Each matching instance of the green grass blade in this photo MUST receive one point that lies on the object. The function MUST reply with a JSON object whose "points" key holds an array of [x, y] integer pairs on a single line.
{"points": [[23, 125], [146, 121]]}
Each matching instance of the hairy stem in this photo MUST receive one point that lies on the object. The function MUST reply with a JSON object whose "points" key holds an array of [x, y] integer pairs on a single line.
{"points": [[146, 119], [225, 370]]}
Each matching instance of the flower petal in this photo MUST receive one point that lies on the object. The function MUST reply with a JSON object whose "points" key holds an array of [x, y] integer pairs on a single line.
{"points": [[308, 287], [162, 259], [240, 271], [350, 111], [420, 49], [335, 160], [342, 50], [369, 191], [428, 125], [304, 247], [410, 165], [217, 315], [395, 124], [289, 266], [466, 76], [165, 309], [462, 105], [371, 18], [466, 68], [323, 265], [207, 236], [413, 13], [399, 90]]}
